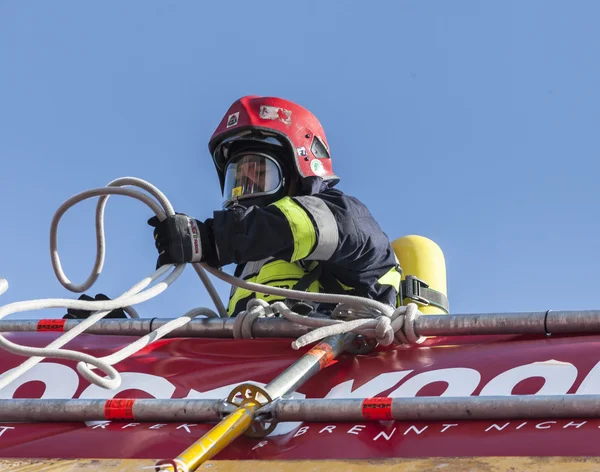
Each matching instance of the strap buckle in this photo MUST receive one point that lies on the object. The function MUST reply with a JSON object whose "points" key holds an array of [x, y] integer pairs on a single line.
{"points": [[412, 289]]}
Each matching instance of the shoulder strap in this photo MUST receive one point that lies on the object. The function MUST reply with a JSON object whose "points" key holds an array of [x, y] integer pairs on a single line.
{"points": [[309, 278]]}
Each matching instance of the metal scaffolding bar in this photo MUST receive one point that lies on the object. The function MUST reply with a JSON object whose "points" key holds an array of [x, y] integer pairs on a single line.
{"points": [[313, 410], [542, 322], [209, 328], [142, 409], [489, 323], [444, 408]]}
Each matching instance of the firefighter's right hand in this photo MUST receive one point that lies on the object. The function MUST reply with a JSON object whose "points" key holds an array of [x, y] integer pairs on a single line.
{"points": [[177, 239]]}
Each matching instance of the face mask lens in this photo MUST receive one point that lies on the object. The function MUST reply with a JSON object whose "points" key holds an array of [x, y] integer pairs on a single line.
{"points": [[251, 175]]}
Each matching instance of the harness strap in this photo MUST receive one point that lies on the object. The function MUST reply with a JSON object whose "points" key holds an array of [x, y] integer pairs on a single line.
{"points": [[418, 291]]}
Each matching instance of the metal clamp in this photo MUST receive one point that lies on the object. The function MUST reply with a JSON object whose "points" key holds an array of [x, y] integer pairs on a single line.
{"points": [[250, 393], [413, 286], [361, 345]]}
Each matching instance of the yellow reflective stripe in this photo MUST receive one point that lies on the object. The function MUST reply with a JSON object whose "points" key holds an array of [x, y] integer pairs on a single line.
{"points": [[391, 277], [314, 287], [238, 295], [301, 225], [241, 293], [278, 270], [287, 273]]}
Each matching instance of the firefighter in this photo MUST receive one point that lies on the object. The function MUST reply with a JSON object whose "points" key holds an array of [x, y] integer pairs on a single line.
{"points": [[283, 221]]}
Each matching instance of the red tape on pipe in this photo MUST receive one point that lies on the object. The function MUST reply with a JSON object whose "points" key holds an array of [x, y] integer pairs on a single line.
{"points": [[119, 409], [377, 408], [51, 325]]}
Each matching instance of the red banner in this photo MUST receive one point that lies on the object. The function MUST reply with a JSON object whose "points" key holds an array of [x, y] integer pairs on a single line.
{"points": [[211, 368]]}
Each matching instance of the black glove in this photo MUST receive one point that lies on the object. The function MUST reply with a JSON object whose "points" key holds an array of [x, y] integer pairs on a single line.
{"points": [[73, 314], [177, 239]]}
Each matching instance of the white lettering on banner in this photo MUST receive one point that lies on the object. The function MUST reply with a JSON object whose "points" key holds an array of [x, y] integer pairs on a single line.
{"points": [[370, 389], [386, 432], [130, 425], [415, 429], [383, 435], [329, 429], [543, 425], [186, 427], [216, 393], [446, 427], [591, 383], [357, 428], [576, 425], [154, 385], [101, 424], [60, 381], [558, 378], [461, 382], [3, 429], [498, 428], [301, 431]]}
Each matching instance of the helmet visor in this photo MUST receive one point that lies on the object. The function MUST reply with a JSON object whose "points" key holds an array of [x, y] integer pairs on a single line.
{"points": [[251, 175]]}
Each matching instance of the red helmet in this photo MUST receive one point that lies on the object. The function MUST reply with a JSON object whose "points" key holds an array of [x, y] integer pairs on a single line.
{"points": [[258, 121]]}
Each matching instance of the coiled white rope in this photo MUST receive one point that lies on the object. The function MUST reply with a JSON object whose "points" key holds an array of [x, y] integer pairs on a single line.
{"points": [[384, 326], [134, 295]]}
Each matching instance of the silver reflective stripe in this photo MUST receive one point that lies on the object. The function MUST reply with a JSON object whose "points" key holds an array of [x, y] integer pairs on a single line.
{"points": [[326, 224], [251, 268]]}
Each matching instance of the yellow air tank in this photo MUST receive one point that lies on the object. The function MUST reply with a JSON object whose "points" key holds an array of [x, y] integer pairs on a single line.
{"points": [[423, 259]]}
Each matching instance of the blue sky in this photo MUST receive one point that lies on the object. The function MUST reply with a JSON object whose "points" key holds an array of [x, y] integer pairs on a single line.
{"points": [[472, 123]]}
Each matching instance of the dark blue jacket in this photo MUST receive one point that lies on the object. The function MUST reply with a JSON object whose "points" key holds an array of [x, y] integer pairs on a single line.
{"points": [[326, 231]]}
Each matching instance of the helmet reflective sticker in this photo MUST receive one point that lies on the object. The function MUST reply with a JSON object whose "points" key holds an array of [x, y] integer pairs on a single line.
{"points": [[275, 113], [233, 119], [251, 175]]}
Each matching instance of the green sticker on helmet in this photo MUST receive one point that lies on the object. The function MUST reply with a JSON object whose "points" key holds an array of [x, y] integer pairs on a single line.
{"points": [[317, 167]]}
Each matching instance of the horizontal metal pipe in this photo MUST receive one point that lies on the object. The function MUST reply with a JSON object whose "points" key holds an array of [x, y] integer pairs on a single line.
{"points": [[314, 410], [542, 322], [586, 321], [444, 408], [143, 409], [491, 323], [213, 327]]}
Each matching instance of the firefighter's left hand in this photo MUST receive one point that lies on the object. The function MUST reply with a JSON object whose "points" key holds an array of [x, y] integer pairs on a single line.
{"points": [[177, 239], [73, 314]]}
